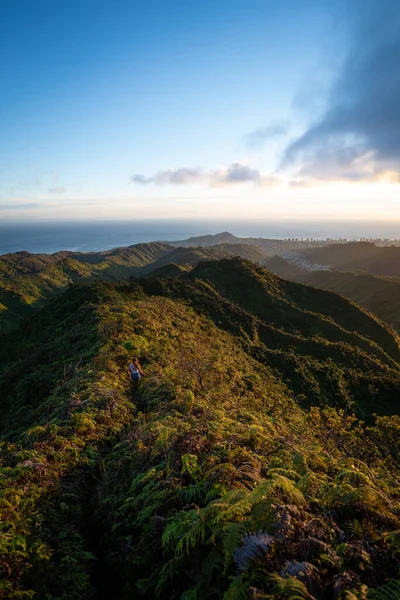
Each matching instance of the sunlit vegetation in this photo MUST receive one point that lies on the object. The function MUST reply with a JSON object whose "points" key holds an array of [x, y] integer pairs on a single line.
{"points": [[28, 280], [248, 463]]}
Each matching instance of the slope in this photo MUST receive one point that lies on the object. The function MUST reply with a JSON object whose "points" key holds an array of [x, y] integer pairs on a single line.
{"points": [[283, 268], [363, 256], [244, 251], [210, 481], [26, 280], [210, 240], [380, 295], [324, 347], [193, 255]]}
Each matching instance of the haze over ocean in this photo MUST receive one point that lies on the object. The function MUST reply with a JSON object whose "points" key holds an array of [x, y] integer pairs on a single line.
{"points": [[48, 237]]}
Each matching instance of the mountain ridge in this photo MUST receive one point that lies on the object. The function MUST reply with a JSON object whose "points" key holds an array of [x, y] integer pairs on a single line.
{"points": [[363, 256], [241, 448], [376, 293], [27, 280]]}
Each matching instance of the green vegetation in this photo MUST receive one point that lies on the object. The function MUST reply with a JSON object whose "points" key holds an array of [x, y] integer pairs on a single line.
{"points": [[363, 256], [380, 295], [27, 280], [246, 464]]}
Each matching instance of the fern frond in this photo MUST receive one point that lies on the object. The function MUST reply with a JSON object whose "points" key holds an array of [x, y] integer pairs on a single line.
{"points": [[191, 538], [300, 462], [231, 537], [253, 546], [213, 561], [288, 587], [238, 589], [388, 591]]}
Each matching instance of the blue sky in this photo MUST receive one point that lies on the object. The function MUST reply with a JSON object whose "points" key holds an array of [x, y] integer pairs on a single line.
{"points": [[154, 109]]}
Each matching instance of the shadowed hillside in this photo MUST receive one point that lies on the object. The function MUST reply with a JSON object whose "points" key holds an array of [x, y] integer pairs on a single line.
{"points": [[380, 295], [362, 256], [244, 251], [284, 268], [234, 468], [185, 256], [211, 240]]}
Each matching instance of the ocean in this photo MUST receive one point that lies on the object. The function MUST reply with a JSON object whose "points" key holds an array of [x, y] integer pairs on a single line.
{"points": [[49, 237]]}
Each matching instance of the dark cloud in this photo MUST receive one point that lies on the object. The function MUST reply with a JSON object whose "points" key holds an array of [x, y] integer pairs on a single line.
{"points": [[236, 173], [358, 136], [258, 137]]}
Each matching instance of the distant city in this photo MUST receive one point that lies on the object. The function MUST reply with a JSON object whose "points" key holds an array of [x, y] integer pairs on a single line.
{"points": [[341, 240]]}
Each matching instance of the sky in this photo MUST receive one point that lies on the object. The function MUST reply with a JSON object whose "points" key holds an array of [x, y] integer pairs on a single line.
{"points": [[141, 109]]}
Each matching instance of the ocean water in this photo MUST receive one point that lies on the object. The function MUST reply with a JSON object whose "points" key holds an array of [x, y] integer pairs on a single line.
{"points": [[49, 237]]}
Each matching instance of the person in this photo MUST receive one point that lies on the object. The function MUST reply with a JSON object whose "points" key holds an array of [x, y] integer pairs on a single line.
{"points": [[135, 370]]}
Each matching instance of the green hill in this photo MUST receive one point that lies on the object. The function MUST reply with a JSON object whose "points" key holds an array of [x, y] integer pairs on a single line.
{"points": [[185, 256], [193, 255], [244, 251], [211, 240], [363, 256], [380, 295], [238, 468], [285, 269], [27, 280]]}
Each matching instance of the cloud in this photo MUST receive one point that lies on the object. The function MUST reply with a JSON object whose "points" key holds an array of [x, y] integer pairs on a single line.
{"points": [[235, 174], [58, 189], [258, 137], [358, 135], [181, 176]]}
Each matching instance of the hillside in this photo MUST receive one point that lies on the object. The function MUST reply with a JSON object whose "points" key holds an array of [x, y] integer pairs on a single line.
{"points": [[210, 240], [236, 469], [283, 268], [244, 251], [362, 256], [185, 256], [27, 280], [266, 245], [380, 295], [25, 263], [193, 255]]}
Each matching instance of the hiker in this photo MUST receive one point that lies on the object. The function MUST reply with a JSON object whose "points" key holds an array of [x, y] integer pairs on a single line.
{"points": [[135, 370]]}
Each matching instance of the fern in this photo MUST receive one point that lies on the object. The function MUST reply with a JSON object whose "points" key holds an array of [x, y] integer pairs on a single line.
{"points": [[231, 537], [191, 594], [388, 591], [360, 594], [238, 589], [288, 587], [252, 546]]}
